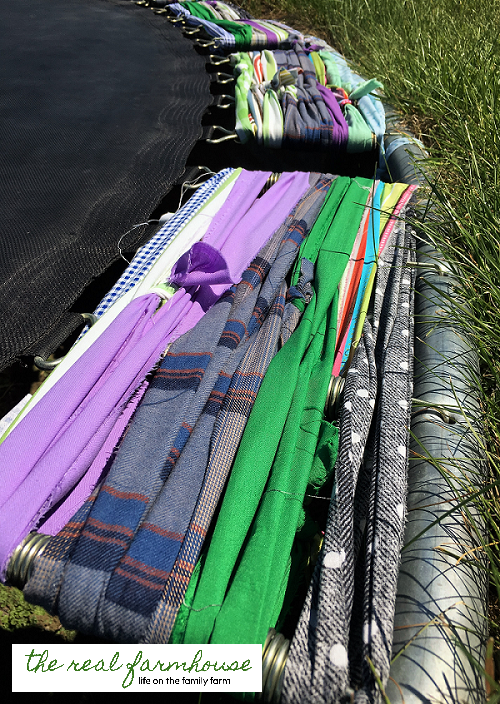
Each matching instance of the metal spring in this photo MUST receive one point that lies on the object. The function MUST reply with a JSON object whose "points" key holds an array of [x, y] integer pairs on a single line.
{"points": [[228, 134], [21, 562], [274, 657], [448, 414], [203, 44], [218, 60], [273, 178], [332, 405], [42, 363], [222, 78]]}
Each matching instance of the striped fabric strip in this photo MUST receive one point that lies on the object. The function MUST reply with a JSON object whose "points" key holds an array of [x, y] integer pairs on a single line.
{"points": [[229, 426], [235, 410]]}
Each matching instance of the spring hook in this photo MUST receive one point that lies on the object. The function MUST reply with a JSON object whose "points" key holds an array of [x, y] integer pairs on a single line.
{"points": [[274, 657], [205, 44], [222, 78], [228, 135], [435, 267], [42, 363], [446, 414], [21, 561], [333, 398], [218, 60]]}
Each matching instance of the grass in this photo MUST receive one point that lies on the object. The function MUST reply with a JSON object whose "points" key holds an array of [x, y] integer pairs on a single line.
{"points": [[440, 64]]}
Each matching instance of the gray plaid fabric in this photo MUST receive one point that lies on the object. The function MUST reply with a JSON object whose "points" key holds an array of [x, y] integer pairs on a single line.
{"points": [[348, 614]]}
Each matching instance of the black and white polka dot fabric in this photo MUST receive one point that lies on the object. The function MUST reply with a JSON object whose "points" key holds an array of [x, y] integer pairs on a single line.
{"points": [[346, 625]]}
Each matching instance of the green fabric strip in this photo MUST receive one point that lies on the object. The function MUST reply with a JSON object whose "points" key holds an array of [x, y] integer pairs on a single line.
{"points": [[198, 10], [248, 558], [332, 70], [360, 137], [365, 88], [243, 69], [242, 32]]}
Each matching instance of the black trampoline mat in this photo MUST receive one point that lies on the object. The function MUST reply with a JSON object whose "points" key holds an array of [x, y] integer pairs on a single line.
{"points": [[101, 102]]}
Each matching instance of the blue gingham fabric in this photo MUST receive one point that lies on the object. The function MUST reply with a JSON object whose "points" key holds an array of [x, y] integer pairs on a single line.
{"points": [[147, 255], [212, 29]]}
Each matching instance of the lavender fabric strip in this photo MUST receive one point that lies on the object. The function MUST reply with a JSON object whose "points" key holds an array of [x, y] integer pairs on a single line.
{"points": [[79, 413], [63, 512]]}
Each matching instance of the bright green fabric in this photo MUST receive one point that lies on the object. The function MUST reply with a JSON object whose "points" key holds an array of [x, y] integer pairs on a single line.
{"points": [[241, 32], [262, 506], [319, 67], [201, 11], [243, 68], [365, 88], [272, 120]]}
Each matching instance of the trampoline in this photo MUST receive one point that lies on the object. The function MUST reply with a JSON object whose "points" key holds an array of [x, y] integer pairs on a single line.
{"points": [[124, 106]]}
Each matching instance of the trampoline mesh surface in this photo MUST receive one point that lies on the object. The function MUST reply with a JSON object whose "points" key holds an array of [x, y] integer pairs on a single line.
{"points": [[100, 104]]}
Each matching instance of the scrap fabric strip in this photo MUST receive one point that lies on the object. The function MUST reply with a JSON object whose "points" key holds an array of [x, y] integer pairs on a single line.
{"points": [[291, 97], [160, 429], [332, 638]]}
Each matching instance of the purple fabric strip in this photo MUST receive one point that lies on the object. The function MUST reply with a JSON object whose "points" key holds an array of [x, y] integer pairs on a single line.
{"points": [[54, 445], [340, 127], [62, 513]]}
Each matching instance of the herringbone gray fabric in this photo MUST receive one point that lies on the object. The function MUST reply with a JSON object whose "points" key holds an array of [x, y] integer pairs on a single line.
{"points": [[347, 619]]}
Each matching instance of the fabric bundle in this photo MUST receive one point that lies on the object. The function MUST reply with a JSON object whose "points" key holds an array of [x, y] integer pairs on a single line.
{"points": [[292, 90], [290, 98], [231, 31]]}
